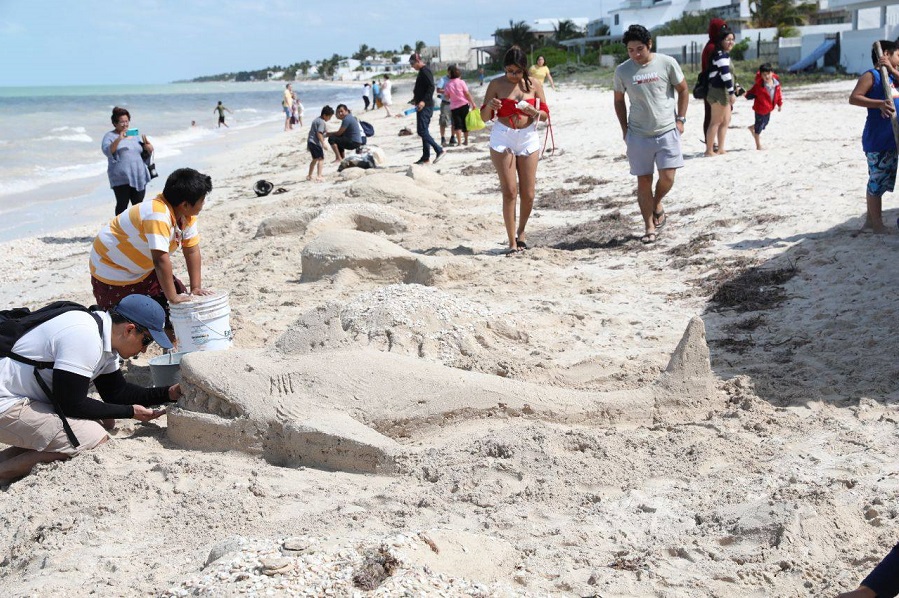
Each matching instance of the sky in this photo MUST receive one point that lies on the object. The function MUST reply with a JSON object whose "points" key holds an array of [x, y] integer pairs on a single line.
{"points": [[93, 42]]}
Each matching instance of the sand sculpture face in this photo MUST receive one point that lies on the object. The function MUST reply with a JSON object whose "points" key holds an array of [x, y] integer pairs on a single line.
{"points": [[354, 409]]}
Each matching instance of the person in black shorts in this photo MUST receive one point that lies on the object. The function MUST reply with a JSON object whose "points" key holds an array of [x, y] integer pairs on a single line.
{"points": [[221, 110]]}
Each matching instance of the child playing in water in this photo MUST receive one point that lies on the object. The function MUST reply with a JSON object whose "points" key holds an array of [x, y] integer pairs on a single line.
{"points": [[316, 142], [878, 141], [766, 93]]}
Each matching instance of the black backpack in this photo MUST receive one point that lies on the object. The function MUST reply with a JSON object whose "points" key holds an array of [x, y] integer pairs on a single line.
{"points": [[367, 129], [14, 323]]}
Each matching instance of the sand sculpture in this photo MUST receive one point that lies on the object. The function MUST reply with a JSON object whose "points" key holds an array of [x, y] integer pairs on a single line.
{"points": [[417, 321], [366, 254], [354, 409], [365, 217], [389, 188]]}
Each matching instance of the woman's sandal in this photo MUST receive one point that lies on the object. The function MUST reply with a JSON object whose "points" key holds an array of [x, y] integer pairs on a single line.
{"points": [[521, 244], [512, 251], [648, 238]]}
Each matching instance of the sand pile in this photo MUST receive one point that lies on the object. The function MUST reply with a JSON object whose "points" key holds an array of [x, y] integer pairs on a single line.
{"points": [[414, 320]]}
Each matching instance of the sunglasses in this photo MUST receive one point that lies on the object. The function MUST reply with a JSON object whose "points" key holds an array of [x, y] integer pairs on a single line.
{"points": [[147, 339]]}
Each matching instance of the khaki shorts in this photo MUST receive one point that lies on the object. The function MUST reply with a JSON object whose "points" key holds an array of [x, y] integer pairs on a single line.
{"points": [[34, 425], [717, 95]]}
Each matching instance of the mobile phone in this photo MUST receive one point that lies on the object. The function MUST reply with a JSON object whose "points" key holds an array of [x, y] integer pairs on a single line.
{"points": [[131, 133]]}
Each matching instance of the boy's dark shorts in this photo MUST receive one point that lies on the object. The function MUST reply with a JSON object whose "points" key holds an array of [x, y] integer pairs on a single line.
{"points": [[316, 151], [881, 172], [761, 121]]}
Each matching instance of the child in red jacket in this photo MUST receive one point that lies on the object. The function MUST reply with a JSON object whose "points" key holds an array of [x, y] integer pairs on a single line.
{"points": [[766, 93]]}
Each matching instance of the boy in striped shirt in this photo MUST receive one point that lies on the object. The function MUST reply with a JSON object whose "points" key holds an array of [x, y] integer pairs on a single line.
{"points": [[132, 254]]}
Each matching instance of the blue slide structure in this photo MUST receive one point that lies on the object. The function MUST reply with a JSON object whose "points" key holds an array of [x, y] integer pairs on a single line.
{"points": [[814, 57]]}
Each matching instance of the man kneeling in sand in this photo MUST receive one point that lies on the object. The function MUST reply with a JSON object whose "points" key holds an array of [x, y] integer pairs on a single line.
{"points": [[81, 353], [348, 137]]}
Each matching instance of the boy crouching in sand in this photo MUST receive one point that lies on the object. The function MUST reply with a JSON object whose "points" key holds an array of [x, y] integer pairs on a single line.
{"points": [[878, 141], [766, 93], [316, 142]]}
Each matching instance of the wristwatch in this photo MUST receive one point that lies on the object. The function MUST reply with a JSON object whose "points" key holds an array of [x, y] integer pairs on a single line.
{"points": [[681, 119]]}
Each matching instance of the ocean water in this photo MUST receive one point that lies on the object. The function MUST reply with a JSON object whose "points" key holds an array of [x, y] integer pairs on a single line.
{"points": [[53, 174]]}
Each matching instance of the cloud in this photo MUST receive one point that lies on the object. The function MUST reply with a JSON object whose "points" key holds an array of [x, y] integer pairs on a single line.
{"points": [[10, 28]]}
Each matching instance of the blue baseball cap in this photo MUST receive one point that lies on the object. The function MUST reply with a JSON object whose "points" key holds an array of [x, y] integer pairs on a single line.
{"points": [[145, 312]]}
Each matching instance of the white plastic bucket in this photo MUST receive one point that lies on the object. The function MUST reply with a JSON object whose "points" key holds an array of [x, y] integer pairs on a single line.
{"points": [[202, 324], [165, 370]]}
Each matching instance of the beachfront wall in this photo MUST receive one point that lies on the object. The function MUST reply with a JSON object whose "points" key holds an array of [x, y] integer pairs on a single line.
{"points": [[687, 49], [855, 46]]}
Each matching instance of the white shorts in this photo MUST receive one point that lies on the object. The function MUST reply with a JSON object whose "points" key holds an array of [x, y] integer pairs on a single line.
{"points": [[520, 142]]}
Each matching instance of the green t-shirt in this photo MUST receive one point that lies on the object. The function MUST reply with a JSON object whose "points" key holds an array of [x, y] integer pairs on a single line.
{"points": [[650, 89]]}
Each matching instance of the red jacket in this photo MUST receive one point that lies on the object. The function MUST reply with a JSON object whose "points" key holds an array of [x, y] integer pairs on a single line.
{"points": [[763, 103]]}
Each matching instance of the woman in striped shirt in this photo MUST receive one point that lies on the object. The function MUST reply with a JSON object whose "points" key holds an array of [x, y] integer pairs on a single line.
{"points": [[721, 93]]}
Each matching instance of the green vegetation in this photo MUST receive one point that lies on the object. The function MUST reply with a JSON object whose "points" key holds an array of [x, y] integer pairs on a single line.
{"points": [[688, 24]]}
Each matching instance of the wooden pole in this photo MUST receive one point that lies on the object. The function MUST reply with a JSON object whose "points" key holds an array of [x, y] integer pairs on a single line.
{"points": [[888, 93]]}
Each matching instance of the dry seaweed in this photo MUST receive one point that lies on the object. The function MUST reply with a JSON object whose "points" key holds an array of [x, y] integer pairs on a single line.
{"points": [[587, 180], [478, 168], [754, 289], [609, 231], [560, 199], [693, 246], [377, 567]]}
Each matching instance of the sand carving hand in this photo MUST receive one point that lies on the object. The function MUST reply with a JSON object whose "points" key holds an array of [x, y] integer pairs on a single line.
{"points": [[145, 414], [175, 392]]}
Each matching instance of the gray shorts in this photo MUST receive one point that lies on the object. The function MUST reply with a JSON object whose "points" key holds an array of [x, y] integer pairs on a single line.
{"points": [[664, 151], [446, 115]]}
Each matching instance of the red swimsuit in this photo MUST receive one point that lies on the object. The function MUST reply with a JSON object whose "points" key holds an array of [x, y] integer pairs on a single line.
{"points": [[509, 109]]}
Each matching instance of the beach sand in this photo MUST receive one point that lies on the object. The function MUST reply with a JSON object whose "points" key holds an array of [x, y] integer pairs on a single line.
{"points": [[781, 482]]}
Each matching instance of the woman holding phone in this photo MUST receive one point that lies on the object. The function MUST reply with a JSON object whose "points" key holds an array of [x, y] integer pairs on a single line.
{"points": [[127, 171]]}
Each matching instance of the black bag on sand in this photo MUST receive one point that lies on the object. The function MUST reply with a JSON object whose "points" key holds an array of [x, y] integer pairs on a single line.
{"points": [[701, 89]]}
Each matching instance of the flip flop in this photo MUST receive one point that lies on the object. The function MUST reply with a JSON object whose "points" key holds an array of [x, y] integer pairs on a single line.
{"points": [[659, 218], [512, 251], [648, 238], [521, 244]]}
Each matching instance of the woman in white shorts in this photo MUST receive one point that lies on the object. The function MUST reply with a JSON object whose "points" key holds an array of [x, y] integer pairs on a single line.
{"points": [[514, 143]]}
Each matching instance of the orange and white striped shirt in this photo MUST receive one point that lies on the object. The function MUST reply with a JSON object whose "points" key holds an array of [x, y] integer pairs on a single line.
{"points": [[121, 252]]}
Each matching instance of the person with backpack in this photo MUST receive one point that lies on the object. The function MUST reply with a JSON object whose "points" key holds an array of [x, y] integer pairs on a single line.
{"points": [[48, 360]]}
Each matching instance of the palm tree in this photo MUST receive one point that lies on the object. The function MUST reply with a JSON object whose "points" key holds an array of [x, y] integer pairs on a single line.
{"points": [[518, 34], [304, 67], [566, 29], [783, 14], [363, 52], [419, 46]]}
